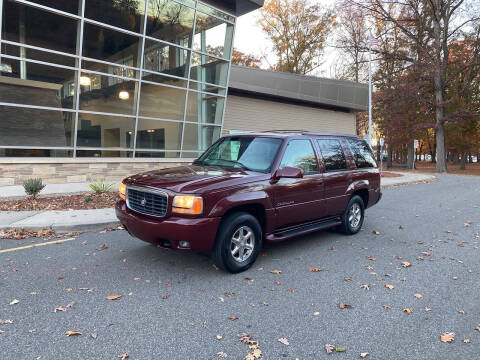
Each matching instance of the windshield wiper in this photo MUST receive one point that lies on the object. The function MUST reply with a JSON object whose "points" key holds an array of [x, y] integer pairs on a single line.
{"points": [[237, 163]]}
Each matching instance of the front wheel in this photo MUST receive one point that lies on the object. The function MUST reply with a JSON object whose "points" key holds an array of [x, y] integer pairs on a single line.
{"points": [[352, 219], [239, 241]]}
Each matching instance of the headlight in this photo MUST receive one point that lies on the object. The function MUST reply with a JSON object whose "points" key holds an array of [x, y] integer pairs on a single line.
{"points": [[122, 191], [187, 204]]}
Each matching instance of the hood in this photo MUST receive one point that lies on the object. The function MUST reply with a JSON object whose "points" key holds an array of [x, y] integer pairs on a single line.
{"points": [[190, 178]]}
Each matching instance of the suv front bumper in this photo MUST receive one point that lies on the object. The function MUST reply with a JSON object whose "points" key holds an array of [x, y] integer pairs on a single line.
{"points": [[200, 233]]}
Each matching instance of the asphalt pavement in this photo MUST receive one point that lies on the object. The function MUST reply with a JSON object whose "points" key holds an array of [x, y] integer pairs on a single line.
{"points": [[177, 305]]}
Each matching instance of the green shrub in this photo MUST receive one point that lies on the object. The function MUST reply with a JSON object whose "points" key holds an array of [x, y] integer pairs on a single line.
{"points": [[100, 186], [33, 187], [88, 199]]}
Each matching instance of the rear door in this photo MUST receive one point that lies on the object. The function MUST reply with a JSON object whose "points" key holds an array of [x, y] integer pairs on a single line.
{"points": [[299, 200], [337, 176]]}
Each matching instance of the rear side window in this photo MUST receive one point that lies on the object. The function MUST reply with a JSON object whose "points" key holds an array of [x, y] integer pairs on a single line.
{"points": [[332, 153], [299, 153], [361, 153]]}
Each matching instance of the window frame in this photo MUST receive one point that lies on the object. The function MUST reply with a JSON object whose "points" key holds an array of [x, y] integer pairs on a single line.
{"points": [[342, 146], [284, 149]]}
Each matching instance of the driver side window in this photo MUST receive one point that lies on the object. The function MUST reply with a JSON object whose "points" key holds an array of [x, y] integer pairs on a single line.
{"points": [[299, 153]]}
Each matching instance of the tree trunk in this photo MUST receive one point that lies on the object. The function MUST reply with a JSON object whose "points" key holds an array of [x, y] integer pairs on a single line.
{"points": [[389, 156], [463, 161], [411, 158]]}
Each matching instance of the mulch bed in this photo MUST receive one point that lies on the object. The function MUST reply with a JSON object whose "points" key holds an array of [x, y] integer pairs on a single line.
{"points": [[390, 174], [46, 234], [71, 202]]}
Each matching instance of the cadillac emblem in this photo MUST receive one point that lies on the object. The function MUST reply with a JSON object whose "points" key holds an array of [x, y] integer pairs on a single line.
{"points": [[143, 202]]}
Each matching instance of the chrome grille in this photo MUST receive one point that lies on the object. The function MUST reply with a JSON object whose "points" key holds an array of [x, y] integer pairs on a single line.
{"points": [[148, 202]]}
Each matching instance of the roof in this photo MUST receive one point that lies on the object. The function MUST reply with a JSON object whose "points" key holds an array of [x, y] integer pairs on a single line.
{"points": [[288, 133], [332, 93], [236, 7]]}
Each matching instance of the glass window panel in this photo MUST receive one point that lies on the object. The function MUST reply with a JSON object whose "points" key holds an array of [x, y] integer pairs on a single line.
{"points": [[332, 154], [148, 76], [166, 59], [204, 108], [158, 135], [162, 102], [299, 153], [157, 154], [170, 21], [35, 153], [110, 45], [40, 28], [104, 153], [125, 14], [35, 84], [212, 36], [71, 6], [191, 155], [40, 55], [102, 93], [105, 131], [118, 70], [209, 10], [208, 69], [362, 154], [206, 88], [200, 137], [33, 127]]}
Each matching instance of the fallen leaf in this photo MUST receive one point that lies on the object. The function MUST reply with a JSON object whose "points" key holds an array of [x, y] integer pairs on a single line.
{"points": [[60, 308], [426, 253], [340, 349], [386, 307], [389, 286], [247, 278], [477, 328], [219, 337], [102, 247], [31, 331], [376, 232], [124, 356], [316, 313], [292, 290], [407, 311], [468, 223], [2, 332], [447, 337], [419, 242], [418, 296], [222, 355], [419, 257], [348, 278], [233, 317], [14, 302], [371, 258], [164, 297], [368, 267], [315, 269], [364, 354], [365, 286], [463, 312], [6, 321], [406, 264], [276, 272], [215, 267], [344, 306], [73, 332], [427, 309], [466, 341], [229, 293], [329, 348], [93, 336], [284, 341], [257, 353], [113, 297]]}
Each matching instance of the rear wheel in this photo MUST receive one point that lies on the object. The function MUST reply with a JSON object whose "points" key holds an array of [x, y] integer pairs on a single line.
{"points": [[239, 241], [352, 219]]}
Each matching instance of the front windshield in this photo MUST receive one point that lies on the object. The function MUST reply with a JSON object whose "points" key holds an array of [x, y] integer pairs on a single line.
{"points": [[249, 153]]}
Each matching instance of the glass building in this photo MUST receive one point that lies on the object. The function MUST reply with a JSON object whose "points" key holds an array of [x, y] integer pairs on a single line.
{"points": [[113, 78]]}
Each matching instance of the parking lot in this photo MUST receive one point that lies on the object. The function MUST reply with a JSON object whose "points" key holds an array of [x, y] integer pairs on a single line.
{"points": [[420, 240]]}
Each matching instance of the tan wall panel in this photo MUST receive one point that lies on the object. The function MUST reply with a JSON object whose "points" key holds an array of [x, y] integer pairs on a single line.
{"points": [[244, 113]]}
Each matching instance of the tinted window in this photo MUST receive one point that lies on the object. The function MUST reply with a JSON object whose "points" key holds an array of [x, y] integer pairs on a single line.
{"points": [[299, 153], [253, 153], [361, 153], [332, 153]]}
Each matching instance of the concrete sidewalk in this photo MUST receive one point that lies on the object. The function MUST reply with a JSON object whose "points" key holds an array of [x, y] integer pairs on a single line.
{"points": [[98, 219]]}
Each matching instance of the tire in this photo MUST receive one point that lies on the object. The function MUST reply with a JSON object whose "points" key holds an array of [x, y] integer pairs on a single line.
{"points": [[352, 218], [235, 250]]}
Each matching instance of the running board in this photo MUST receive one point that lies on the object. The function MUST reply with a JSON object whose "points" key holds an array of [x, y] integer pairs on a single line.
{"points": [[305, 229]]}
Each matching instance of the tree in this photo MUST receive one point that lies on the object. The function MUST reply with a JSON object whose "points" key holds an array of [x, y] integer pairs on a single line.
{"points": [[242, 59], [298, 31]]}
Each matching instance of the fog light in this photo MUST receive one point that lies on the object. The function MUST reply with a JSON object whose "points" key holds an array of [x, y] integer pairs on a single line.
{"points": [[184, 244]]}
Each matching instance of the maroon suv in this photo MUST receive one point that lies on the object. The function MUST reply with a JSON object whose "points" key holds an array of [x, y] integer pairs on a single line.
{"points": [[246, 189]]}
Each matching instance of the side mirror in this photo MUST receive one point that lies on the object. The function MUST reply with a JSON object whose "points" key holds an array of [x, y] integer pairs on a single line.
{"points": [[288, 172]]}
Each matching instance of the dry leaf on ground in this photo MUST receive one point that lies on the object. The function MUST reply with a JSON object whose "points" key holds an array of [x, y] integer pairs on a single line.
{"points": [[371, 258], [124, 356], [6, 321], [406, 264], [103, 247], [386, 307], [276, 272], [407, 311], [219, 337], [233, 317], [73, 332], [113, 297], [344, 306], [222, 355], [418, 296], [329, 348], [376, 232], [447, 337], [284, 341], [14, 302], [389, 286], [315, 269]]}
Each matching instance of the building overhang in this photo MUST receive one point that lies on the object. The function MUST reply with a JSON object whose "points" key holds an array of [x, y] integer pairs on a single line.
{"points": [[300, 89], [236, 7]]}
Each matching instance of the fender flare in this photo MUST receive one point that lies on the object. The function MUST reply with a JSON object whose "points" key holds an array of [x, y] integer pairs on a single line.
{"points": [[240, 199]]}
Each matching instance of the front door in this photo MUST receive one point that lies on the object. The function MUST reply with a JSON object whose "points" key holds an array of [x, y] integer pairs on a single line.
{"points": [[299, 200]]}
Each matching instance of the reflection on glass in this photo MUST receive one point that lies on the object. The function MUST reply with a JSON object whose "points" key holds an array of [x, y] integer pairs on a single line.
{"points": [[191, 154], [161, 79], [110, 45], [209, 10], [170, 21], [204, 108], [35, 84], [28, 25], [35, 153], [107, 94], [299, 153], [122, 69], [105, 131], [162, 102], [212, 36], [34, 127], [125, 14], [332, 154], [208, 69], [200, 137], [157, 154], [71, 6], [205, 87], [104, 153], [158, 135], [166, 59]]}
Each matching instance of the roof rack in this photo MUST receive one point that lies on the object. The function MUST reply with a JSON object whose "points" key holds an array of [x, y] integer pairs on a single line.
{"points": [[284, 131]]}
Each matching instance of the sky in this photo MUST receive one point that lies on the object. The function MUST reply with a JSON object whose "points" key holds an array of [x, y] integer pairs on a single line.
{"points": [[250, 39]]}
